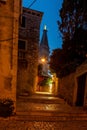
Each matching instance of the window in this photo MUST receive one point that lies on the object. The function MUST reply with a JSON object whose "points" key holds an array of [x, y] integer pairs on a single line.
{"points": [[21, 49], [22, 45], [23, 22]]}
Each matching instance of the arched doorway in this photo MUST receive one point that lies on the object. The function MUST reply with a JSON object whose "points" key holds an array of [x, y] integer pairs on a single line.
{"points": [[47, 85]]}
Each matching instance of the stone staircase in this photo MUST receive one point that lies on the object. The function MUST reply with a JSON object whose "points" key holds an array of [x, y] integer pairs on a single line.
{"points": [[47, 107], [43, 112]]}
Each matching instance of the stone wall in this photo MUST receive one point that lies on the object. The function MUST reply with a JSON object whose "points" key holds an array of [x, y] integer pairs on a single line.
{"points": [[73, 90], [27, 66], [66, 87], [9, 20], [81, 71]]}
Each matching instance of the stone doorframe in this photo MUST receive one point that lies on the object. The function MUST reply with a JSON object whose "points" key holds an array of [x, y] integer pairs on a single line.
{"points": [[81, 70]]}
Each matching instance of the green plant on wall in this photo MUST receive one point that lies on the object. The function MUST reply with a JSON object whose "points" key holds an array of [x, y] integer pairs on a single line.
{"points": [[46, 81]]}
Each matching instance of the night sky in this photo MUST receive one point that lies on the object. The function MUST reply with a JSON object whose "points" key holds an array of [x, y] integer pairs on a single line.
{"points": [[50, 8]]}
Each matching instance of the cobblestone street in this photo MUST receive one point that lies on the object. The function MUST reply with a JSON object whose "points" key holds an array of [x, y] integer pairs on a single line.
{"points": [[45, 102], [44, 112], [40, 125]]}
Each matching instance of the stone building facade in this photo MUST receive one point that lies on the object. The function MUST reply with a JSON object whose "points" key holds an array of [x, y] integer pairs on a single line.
{"points": [[28, 47], [9, 21], [73, 87]]}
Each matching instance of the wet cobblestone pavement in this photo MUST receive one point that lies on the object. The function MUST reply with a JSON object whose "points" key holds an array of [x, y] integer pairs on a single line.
{"points": [[45, 113], [46, 103], [34, 125]]}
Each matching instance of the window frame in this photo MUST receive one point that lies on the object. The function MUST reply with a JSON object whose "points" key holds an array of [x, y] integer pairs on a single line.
{"points": [[22, 52], [25, 45], [23, 26]]}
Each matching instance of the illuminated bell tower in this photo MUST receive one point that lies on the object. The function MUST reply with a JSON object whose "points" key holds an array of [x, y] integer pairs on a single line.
{"points": [[44, 52]]}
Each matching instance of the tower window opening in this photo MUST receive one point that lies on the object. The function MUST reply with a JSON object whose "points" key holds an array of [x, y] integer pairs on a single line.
{"points": [[23, 22]]}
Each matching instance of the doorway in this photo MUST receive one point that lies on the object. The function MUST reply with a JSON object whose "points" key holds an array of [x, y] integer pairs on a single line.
{"points": [[45, 84], [81, 81]]}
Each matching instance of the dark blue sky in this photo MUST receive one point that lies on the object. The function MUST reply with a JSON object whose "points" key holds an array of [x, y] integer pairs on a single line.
{"points": [[50, 8]]}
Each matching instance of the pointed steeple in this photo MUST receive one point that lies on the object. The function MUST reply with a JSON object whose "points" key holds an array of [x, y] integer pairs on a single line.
{"points": [[45, 27], [44, 51], [44, 40]]}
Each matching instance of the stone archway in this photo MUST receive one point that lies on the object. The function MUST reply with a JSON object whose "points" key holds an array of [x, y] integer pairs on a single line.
{"points": [[50, 88]]}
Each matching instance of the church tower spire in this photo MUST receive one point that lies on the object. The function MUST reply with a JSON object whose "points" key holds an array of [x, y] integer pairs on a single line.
{"points": [[44, 46], [44, 51]]}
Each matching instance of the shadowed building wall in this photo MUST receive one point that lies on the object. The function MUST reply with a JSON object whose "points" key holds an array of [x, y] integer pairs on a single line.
{"points": [[73, 87], [28, 51]]}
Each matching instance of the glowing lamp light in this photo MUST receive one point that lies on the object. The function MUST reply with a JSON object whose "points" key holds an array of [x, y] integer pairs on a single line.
{"points": [[43, 60], [45, 27]]}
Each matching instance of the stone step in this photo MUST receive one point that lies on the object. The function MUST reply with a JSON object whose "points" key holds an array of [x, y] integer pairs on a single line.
{"points": [[31, 106], [50, 116], [42, 99], [54, 104]]}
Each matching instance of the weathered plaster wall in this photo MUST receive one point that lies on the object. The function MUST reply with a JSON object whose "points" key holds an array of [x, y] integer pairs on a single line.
{"points": [[9, 20]]}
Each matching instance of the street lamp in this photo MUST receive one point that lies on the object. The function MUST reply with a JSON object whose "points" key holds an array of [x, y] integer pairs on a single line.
{"points": [[43, 60]]}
